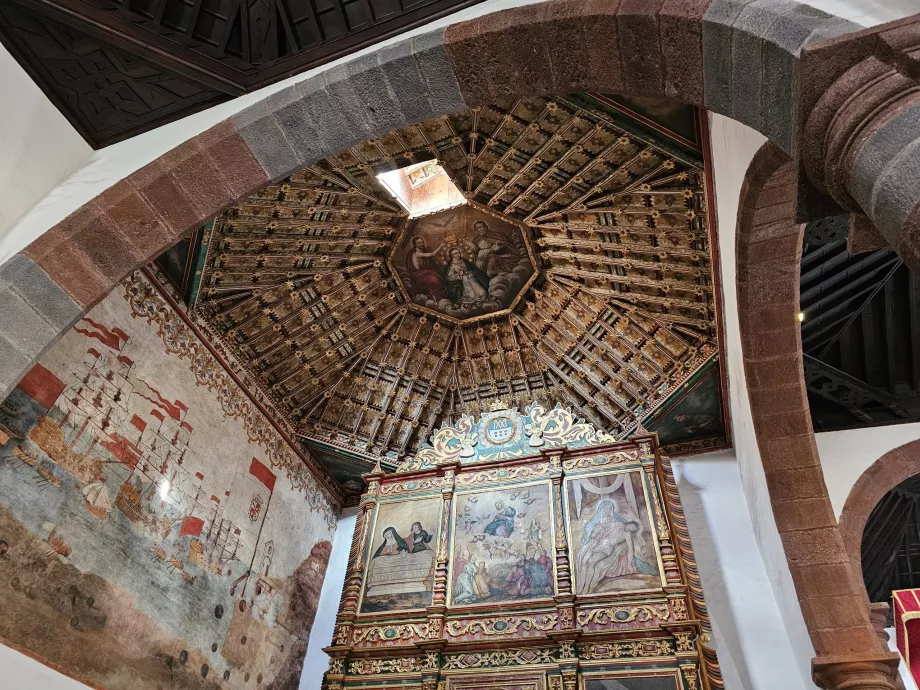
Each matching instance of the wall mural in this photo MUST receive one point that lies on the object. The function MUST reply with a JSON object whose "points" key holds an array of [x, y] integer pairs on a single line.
{"points": [[613, 546], [559, 560], [463, 262], [502, 547], [155, 530], [401, 569]]}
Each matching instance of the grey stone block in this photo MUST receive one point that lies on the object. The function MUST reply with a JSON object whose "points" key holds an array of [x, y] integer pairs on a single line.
{"points": [[295, 123], [438, 73], [24, 327], [717, 53], [877, 152], [897, 191], [402, 73], [37, 288], [348, 105], [270, 147], [369, 83], [13, 365], [335, 128]]}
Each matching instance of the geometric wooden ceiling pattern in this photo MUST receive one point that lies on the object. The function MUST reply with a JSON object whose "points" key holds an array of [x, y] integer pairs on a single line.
{"points": [[621, 313]]}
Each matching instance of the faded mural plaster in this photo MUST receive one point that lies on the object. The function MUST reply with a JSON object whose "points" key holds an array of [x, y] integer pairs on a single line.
{"points": [[155, 530]]}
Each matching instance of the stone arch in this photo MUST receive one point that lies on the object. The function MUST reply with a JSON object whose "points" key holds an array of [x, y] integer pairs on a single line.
{"points": [[719, 54], [881, 477], [769, 246], [736, 59]]}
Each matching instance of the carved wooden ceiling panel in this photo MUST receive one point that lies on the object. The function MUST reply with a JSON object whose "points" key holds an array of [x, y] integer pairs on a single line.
{"points": [[620, 315]]}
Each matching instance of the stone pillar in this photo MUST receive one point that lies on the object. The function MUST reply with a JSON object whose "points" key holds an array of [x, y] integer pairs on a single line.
{"points": [[878, 614], [860, 142]]}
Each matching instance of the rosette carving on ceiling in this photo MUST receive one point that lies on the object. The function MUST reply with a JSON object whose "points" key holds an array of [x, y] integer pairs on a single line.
{"points": [[303, 279]]}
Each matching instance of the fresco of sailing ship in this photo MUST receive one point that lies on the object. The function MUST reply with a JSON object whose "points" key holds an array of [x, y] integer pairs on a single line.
{"points": [[96, 422]]}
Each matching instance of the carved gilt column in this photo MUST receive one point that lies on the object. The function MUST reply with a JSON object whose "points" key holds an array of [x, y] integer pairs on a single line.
{"points": [[348, 607], [439, 588], [564, 597]]}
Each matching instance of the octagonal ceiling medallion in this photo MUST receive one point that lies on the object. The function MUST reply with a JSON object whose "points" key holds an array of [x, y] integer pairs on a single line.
{"points": [[464, 263]]}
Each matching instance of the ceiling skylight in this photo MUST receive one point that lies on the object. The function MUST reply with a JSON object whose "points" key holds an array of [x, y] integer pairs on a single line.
{"points": [[422, 188]]}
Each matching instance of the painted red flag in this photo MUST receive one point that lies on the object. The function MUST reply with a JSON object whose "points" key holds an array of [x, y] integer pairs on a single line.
{"points": [[127, 361], [263, 474], [191, 526], [109, 337], [41, 385], [187, 427], [215, 499], [159, 415], [138, 423], [94, 352], [199, 475]]}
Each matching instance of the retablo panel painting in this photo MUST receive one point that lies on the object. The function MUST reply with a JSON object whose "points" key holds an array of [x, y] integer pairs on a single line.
{"points": [[463, 262], [502, 548], [612, 542], [401, 562]]}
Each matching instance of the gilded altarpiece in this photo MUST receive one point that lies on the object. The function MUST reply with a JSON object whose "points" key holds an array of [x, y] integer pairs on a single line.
{"points": [[524, 551]]}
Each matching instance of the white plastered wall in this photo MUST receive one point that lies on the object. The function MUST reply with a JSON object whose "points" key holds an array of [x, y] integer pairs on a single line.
{"points": [[317, 661], [845, 455], [25, 673], [38, 147], [733, 147]]}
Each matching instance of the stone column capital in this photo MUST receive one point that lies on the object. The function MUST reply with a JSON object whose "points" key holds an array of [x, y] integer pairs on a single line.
{"points": [[876, 671]]}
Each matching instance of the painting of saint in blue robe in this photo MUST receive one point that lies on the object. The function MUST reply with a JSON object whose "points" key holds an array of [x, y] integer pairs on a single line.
{"points": [[502, 546]]}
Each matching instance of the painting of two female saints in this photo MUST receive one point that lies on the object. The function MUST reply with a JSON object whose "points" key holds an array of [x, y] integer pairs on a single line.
{"points": [[463, 262], [503, 548]]}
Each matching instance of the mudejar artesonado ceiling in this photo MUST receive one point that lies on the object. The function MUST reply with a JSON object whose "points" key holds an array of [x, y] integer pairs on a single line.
{"points": [[579, 271]]}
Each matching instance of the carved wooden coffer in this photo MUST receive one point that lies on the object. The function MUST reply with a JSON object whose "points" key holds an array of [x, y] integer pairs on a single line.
{"points": [[524, 551]]}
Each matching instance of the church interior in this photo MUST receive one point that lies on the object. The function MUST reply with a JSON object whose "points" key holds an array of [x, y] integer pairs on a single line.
{"points": [[460, 344]]}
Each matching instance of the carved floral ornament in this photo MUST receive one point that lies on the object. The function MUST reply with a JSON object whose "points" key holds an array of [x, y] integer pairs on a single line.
{"points": [[506, 433]]}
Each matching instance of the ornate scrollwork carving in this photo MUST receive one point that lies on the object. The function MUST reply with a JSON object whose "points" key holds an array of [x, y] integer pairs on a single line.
{"points": [[526, 472], [690, 676], [620, 650], [371, 667], [503, 625], [624, 614], [393, 488], [684, 641], [680, 609], [585, 462], [514, 657], [390, 633], [560, 427]]}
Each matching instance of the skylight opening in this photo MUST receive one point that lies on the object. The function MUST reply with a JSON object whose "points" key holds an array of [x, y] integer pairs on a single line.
{"points": [[422, 188]]}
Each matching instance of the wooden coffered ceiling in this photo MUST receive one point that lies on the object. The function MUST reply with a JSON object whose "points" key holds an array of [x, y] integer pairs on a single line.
{"points": [[620, 323], [116, 68]]}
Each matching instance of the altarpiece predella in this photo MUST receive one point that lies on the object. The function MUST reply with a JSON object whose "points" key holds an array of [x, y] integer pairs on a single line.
{"points": [[523, 551]]}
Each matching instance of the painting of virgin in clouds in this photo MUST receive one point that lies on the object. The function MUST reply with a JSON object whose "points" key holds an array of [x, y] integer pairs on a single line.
{"points": [[612, 545], [503, 546], [400, 567]]}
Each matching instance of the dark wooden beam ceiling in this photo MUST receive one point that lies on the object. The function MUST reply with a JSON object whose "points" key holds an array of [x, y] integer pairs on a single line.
{"points": [[116, 68], [860, 334]]}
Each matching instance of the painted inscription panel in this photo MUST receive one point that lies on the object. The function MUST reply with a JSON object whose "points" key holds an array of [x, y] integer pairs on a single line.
{"points": [[611, 540], [401, 563], [502, 545]]}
